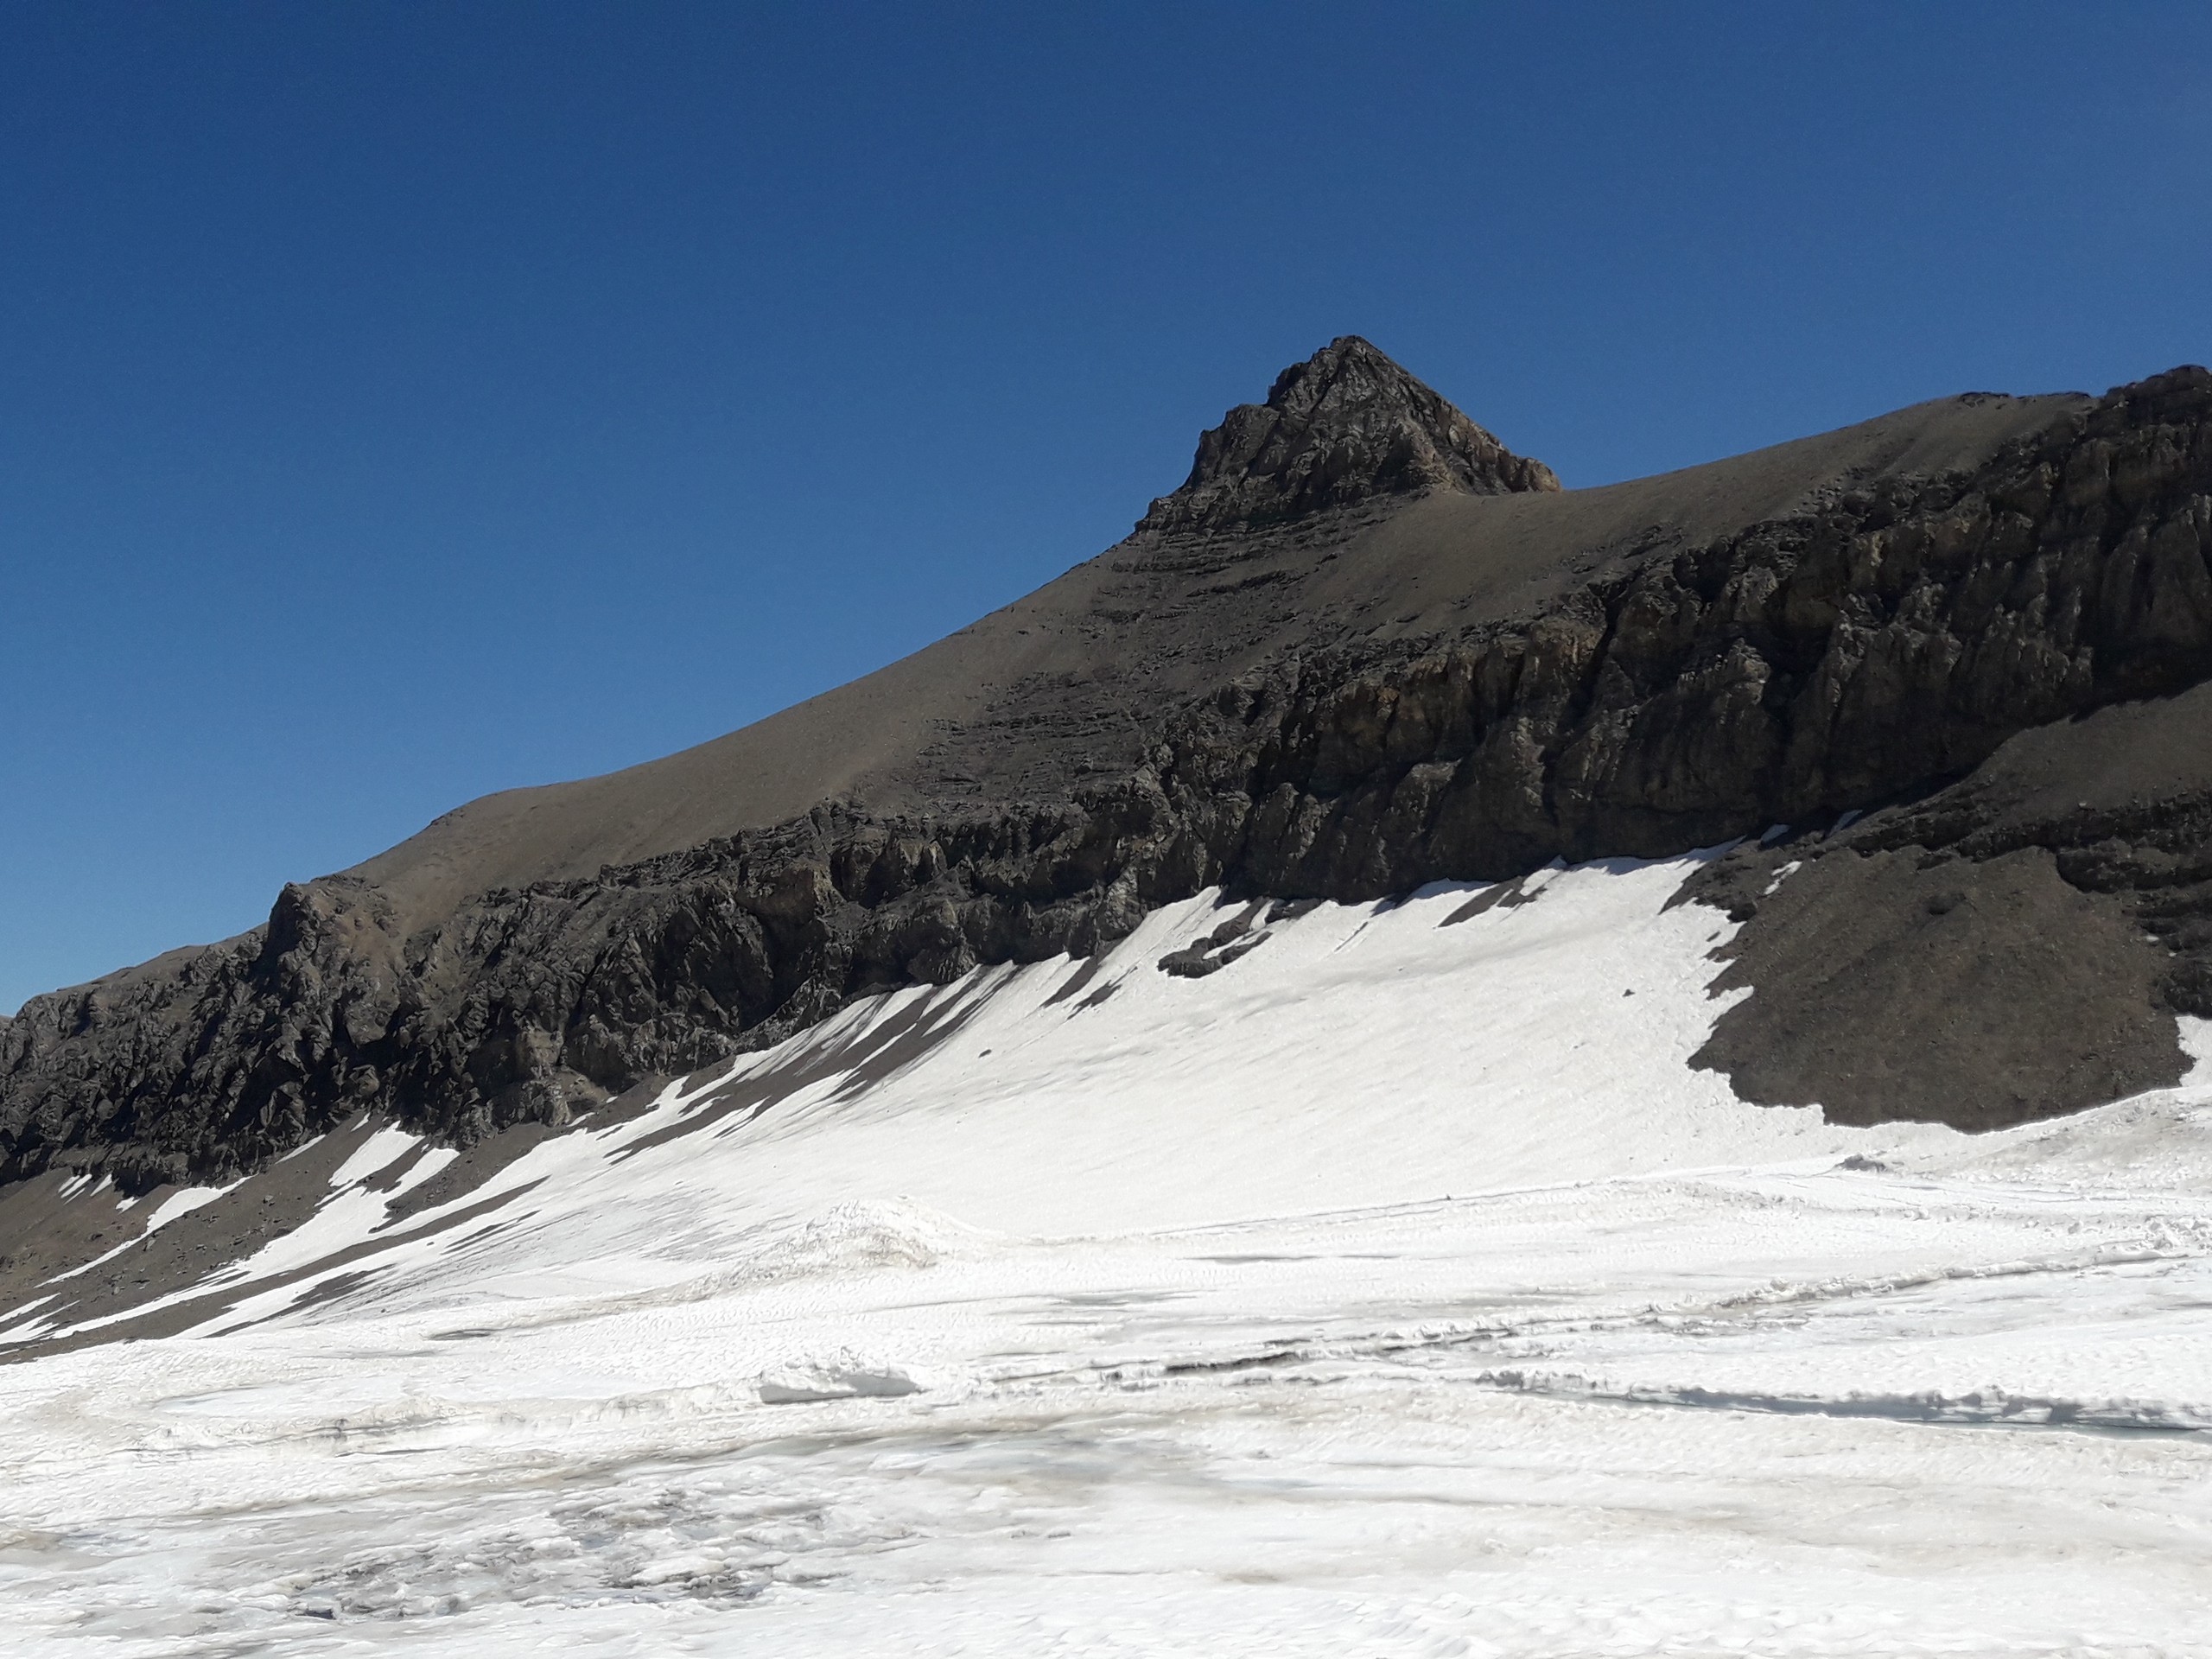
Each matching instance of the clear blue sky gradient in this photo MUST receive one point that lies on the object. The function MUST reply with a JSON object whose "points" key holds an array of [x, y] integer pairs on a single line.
{"points": [[399, 402]]}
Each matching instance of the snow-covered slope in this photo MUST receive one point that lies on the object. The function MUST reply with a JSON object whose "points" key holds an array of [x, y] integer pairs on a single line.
{"points": [[1383, 1282]]}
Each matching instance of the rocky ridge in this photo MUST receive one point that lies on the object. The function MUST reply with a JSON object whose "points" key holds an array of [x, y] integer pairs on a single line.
{"points": [[1871, 650]]}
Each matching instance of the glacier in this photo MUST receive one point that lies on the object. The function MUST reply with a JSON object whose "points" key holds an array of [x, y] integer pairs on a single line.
{"points": [[1383, 1281]]}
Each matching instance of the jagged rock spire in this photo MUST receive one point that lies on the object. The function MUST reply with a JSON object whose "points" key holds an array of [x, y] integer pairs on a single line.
{"points": [[1346, 425]]}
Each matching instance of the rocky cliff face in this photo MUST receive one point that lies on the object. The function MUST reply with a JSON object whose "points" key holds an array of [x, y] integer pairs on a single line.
{"points": [[1343, 427], [1883, 641]]}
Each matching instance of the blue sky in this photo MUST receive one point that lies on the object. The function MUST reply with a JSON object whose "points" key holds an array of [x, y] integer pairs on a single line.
{"points": [[402, 401]]}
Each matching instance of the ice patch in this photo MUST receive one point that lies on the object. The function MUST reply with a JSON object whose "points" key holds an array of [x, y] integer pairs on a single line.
{"points": [[2196, 1043], [381, 1150], [183, 1203], [865, 1234], [839, 1376]]}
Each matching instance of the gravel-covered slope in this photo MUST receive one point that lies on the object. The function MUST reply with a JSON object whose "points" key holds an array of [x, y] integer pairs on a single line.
{"points": [[2010, 946], [1411, 680]]}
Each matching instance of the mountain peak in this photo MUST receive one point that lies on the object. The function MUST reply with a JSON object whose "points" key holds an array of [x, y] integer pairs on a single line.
{"points": [[1346, 425]]}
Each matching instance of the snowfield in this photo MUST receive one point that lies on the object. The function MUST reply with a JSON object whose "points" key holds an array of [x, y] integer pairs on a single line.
{"points": [[1392, 1288]]}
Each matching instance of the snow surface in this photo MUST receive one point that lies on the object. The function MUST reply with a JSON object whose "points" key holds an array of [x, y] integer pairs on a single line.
{"points": [[1396, 1289]]}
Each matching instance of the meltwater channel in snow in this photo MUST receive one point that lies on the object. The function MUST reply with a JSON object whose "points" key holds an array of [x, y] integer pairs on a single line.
{"points": [[1382, 1281]]}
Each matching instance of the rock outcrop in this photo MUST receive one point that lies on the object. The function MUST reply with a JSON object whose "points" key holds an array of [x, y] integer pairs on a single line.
{"points": [[1876, 644], [1345, 426]]}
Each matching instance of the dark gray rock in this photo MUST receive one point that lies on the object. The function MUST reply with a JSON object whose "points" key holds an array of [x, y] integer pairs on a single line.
{"points": [[1344, 426], [1232, 941]]}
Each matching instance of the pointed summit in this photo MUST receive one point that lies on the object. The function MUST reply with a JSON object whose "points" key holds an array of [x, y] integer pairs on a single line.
{"points": [[1346, 425]]}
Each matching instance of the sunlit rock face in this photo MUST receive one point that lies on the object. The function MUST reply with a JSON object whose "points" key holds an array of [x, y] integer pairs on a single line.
{"points": [[1346, 425]]}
